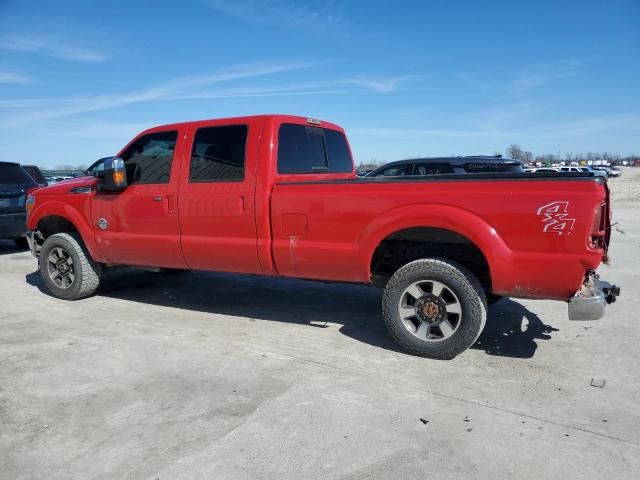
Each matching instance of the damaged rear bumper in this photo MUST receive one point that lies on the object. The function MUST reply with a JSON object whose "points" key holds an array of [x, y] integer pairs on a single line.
{"points": [[589, 302]]}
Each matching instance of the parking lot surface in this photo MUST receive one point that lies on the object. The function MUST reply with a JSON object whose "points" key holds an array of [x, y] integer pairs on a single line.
{"points": [[208, 375]]}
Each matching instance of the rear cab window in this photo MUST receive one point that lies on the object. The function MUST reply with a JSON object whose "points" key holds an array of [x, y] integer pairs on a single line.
{"points": [[306, 149]]}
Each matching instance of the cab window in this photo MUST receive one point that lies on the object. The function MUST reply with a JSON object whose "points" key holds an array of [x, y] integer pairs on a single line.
{"points": [[148, 159], [218, 154]]}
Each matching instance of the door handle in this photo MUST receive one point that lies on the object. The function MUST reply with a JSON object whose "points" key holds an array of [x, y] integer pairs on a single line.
{"points": [[170, 202], [246, 203]]}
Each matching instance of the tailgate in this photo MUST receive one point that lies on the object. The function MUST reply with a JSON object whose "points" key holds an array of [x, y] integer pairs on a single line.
{"points": [[12, 199]]}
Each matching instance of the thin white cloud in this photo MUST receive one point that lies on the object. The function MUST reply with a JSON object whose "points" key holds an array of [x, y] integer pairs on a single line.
{"points": [[283, 13], [96, 129], [56, 108], [346, 85], [539, 74], [14, 79], [194, 87], [526, 78], [400, 133], [52, 47], [625, 122]]}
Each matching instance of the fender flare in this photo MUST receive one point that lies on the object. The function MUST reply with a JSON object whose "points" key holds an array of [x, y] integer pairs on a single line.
{"points": [[57, 208], [433, 215]]}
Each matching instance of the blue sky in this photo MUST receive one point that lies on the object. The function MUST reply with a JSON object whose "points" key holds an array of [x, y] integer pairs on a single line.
{"points": [[78, 79]]}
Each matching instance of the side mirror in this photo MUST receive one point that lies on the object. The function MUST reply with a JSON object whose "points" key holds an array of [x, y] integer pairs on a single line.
{"points": [[113, 178]]}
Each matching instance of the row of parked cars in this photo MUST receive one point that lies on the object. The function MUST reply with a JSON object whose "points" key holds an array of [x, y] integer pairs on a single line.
{"points": [[474, 164], [603, 170]]}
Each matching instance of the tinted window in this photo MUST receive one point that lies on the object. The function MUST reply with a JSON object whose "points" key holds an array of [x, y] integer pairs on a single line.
{"points": [[35, 173], [397, 170], [148, 159], [317, 152], [14, 175], [338, 152], [305, 149], [432, 168], [218, 154]]}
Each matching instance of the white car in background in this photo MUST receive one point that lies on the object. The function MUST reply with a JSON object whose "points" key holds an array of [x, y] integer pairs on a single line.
{"points": [[542, 170]]}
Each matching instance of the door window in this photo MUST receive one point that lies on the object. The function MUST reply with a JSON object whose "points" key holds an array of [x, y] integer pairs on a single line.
{"points": [[218, 154], [148, 159]]}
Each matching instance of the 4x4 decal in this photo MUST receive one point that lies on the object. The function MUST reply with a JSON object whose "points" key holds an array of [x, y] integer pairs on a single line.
{"points": [[555, 217]]}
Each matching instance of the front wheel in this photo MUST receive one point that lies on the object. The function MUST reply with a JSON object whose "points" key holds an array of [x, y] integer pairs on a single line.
{"points": [[434, 308], [66, 267]]}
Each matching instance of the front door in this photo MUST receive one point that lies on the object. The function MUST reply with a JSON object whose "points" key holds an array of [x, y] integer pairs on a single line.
{"points": [[140, 225], [217, 199]]}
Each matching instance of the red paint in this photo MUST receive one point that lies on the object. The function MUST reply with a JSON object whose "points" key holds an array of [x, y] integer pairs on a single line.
{"points": [[274, 224]]}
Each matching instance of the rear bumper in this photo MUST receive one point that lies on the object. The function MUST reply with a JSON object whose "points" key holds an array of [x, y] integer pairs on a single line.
{"points": [[590, 302], [13, 225]]}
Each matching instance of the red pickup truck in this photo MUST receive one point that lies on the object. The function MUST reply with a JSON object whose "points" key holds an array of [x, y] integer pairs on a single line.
{"points": [[278, 195]]}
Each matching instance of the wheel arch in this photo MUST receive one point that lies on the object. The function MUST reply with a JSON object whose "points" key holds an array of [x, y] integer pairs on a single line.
{"points": [[60, 217], [442, 231]]}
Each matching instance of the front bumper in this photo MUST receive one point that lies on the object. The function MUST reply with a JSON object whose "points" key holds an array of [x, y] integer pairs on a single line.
{"points": [[589, 303]]}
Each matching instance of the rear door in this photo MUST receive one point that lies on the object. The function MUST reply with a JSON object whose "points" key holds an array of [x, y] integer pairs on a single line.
{"points": [[217, 198], [140, 225]]}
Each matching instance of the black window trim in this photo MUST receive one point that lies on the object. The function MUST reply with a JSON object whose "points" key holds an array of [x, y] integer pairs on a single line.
{"points": [[220, 180]]}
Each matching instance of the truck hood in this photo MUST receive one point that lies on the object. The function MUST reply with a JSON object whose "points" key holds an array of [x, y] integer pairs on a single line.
{"points": [[62, 188]]}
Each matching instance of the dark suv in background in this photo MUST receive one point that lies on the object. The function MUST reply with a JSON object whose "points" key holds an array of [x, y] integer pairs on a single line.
{"points": [[448, 165], [15, 185]]}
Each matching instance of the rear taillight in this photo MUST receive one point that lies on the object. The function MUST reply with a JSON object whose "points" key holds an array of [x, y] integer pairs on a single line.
{"points": [[599, 227]]}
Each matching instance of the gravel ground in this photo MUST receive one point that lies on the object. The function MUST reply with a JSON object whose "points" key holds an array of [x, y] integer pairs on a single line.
{"points": [[205, 375]]}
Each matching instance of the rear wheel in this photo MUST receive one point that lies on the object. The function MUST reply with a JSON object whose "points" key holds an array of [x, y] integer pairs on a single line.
{"points": [[434, 308], [66, 267]]}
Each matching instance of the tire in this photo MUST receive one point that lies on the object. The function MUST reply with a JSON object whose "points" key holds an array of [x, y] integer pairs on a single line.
{"points": [[448, 303], [79, 278], [21, 242], [491, 298]]}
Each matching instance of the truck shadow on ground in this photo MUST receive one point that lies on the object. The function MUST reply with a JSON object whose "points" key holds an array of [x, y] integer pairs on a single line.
{"points": [[312, 303]]}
